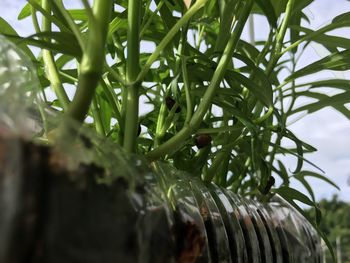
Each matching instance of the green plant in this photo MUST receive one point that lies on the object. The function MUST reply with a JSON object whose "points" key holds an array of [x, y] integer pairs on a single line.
{"points": [[202, 80]]}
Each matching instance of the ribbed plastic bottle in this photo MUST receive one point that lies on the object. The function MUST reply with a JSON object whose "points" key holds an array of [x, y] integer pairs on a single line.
{"points": [[235, 229], [85, 200]]}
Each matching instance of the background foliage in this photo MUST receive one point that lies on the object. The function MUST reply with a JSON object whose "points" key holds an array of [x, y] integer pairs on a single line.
{"points": [[335, 224]]}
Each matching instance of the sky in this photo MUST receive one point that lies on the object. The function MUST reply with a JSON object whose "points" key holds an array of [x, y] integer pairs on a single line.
{"points": [[327, 130]]}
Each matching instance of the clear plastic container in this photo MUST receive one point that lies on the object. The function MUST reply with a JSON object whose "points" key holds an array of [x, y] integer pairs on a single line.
{"points": [[86, 200]]}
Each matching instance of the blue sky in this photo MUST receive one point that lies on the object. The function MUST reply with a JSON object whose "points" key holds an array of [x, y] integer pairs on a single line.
{"points": [[327, 130]]}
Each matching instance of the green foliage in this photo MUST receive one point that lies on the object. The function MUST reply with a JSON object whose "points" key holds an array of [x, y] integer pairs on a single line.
{"points": [[336, 224], [220, 85]]}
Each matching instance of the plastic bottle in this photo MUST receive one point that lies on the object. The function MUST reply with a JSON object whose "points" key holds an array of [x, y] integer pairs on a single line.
{"points": [[85, 200]]}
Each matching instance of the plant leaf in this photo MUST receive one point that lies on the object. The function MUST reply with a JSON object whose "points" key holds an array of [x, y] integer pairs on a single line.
{"points": [[337, 101], [269, 11], [337, 61], [317, 175], [7, 30]]}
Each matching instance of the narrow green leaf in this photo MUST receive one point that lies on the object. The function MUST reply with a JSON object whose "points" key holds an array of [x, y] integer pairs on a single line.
{"points": [[320, 96], [78, 14], [307, 186], [288, 134], [283, 172], [116, 24], [342, 18], [331, 83], [290, 194], [7, 31], [324, 101], [279, 6], [262, 92], [65, 48], [25, 12], [326, 40], [337, 61], [269, 11], [285, 150], [259, 76], [53, 19], [227, 9], [317, 175]]}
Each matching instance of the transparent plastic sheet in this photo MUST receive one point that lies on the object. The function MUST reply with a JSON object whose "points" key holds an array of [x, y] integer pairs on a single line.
{"points": [[100, 204], [260, 229], [275, 242], [217, 237], [105, 205], [234, 231], [17, 95], [189, 228], [251, 239], [18, 91], [295, 230]]}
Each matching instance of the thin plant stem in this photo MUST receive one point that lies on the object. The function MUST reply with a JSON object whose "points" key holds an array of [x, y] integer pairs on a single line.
{"points": [[178, 140], [150, 19], [50, 66], [251, 30], [160, 124], [189, 107], [92, 60], [96, 113], [113, 101], [132, 70], [35, 20], [280, 37], [73, 26], [45, 10], [171, 34]]}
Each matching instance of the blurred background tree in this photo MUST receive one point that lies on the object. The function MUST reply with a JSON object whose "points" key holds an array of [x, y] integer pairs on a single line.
{"points": [[336, 225]]}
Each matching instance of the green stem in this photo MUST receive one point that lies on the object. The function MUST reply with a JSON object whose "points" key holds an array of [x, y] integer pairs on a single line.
{"points": [[283, 28], [220, 157], [178, 140], [73, 26], [96, 113], [49, 61], [132, 70], [150, 19], [276, 53], [92, 60], [35, 20], [171, 34], [251, 30], [112, 100], [275, 57], [189, 107], [160, 124]]}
